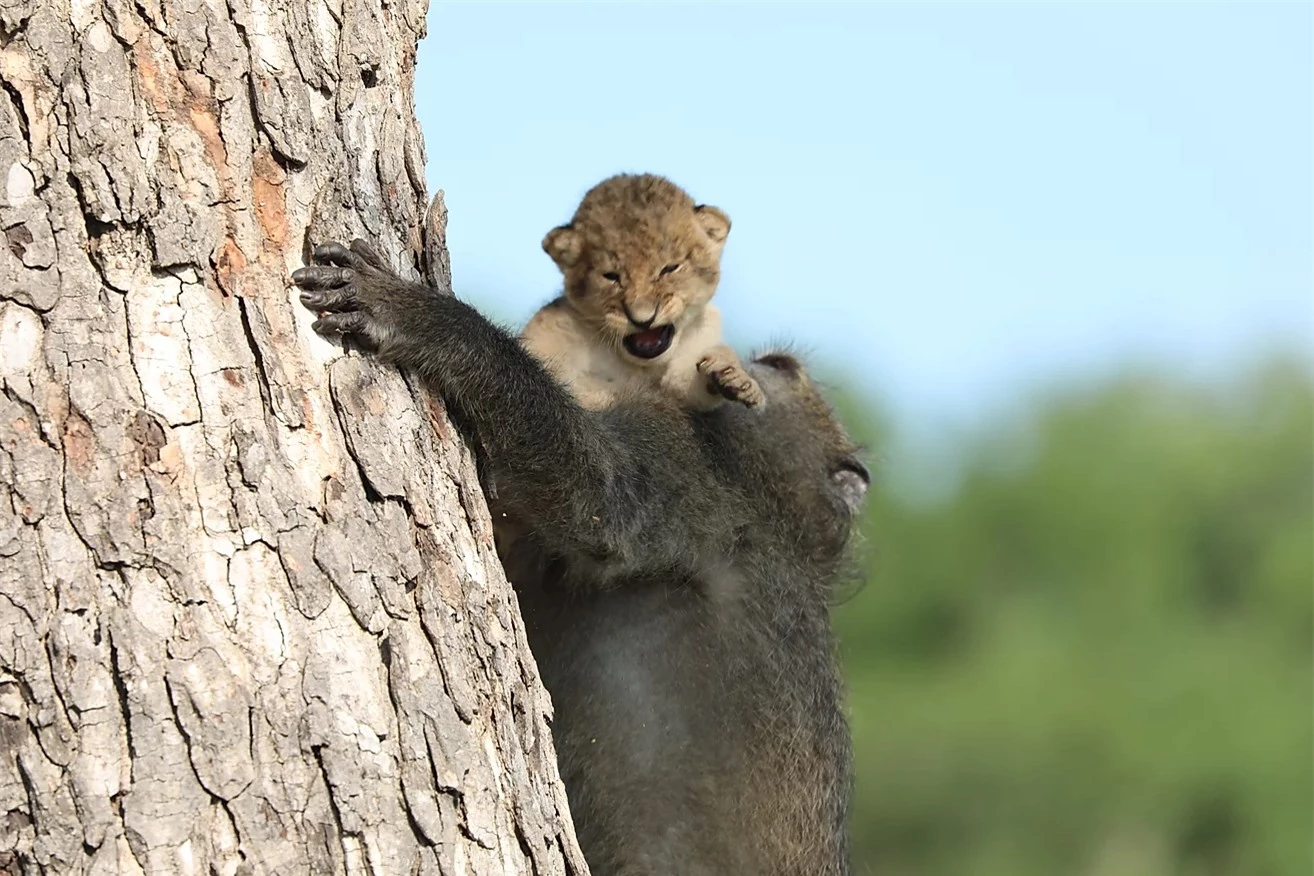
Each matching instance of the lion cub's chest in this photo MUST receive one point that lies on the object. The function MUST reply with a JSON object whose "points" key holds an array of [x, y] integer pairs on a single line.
{"points": [[597, 374]]}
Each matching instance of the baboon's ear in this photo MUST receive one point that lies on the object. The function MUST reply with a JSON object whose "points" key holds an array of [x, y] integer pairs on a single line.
{"points": [[563, 244], [714, 222]]}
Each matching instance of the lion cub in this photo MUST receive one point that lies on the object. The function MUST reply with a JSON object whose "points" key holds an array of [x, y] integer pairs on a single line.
{"points": [[641, 262]]}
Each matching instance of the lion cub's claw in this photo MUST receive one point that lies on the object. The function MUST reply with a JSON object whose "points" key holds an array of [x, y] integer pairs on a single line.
{"points": [[726, 377]]}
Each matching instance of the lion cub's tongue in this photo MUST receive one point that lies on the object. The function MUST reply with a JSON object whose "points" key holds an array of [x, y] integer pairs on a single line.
{"points": [[651, 343]]}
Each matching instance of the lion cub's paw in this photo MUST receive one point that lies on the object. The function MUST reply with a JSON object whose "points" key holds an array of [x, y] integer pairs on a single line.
{"points": [[727, 377]]}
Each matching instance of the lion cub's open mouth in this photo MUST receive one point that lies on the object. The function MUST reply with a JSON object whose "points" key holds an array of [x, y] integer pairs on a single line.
{"points": [[651, 343]]}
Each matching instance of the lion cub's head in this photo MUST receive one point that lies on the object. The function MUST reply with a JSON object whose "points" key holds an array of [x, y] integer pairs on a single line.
{"points": [[640, 260]]}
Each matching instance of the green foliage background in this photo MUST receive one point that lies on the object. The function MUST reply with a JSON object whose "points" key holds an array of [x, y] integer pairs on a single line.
{"points": [[1095, 656]]}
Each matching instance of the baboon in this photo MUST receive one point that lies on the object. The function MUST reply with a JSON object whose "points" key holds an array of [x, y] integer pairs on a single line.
{"points": [[674, 577]]}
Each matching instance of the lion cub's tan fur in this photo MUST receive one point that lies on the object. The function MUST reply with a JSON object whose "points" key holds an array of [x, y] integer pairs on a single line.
{"points": [[639, 255]]}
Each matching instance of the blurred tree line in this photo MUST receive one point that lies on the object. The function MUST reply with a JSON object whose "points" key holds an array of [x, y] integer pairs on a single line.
{"points": [[1095, 656]]}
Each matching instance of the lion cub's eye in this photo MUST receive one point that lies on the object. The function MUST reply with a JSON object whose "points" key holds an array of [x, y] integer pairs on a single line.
{"points": [[669, 269], [612, 276]]}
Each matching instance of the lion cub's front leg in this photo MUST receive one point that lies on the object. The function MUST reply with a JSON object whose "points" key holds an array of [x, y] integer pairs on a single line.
{"points": [[725, 376]]}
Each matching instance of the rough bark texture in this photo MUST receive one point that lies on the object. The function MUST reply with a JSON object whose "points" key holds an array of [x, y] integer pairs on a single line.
{"points": [[251, 620]]}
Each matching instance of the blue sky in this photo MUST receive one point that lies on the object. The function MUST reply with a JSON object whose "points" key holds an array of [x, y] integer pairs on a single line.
{"points": [[955, 201]]}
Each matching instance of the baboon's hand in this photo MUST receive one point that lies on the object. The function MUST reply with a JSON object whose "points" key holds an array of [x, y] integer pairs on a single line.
{"points": [[726, 376], [355, 292]]}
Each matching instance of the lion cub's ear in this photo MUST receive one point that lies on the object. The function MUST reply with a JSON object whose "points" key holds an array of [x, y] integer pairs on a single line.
{"points": [[714, 222], [564, 245]]}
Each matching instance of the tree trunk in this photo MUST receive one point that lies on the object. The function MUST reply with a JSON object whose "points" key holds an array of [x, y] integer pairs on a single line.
{"points": [[251, 619]]}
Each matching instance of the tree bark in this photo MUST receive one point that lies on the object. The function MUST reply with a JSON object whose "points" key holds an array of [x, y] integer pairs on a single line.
{"points": [[251, 619]]}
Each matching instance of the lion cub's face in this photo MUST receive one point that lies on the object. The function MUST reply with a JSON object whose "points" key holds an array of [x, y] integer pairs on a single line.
{"points": [[640, 261]]}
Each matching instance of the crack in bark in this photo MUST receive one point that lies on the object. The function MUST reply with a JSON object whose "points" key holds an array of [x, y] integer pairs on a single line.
{"points": [[343, 833], [68, 512], [29, 788], [132, 355], [187, 337], [462, 709], [20, 112], [457, 796], [72, 715], [372, 493], [161, 31], [262, 375], [94, 229], [36, 418], [121, 689], [186, 737], [191, 759]]}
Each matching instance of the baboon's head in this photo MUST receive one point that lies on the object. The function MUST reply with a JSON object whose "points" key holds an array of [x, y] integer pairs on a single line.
{"points": [[816, 465], [640, 260]]}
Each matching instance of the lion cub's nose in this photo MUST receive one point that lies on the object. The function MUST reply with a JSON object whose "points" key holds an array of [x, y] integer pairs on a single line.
{"points": [[640, 323]]}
